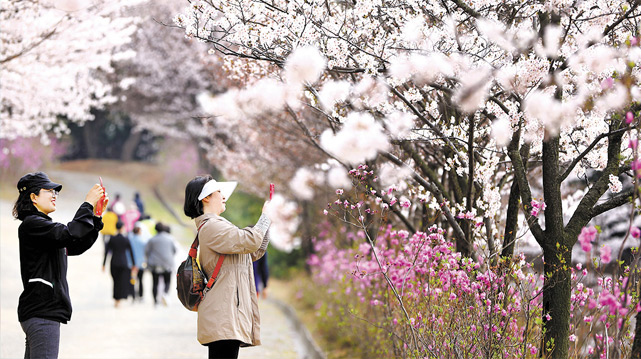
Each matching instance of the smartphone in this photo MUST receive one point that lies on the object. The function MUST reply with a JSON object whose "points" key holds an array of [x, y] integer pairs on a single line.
{"points": [[271, 191], [101, 202]]}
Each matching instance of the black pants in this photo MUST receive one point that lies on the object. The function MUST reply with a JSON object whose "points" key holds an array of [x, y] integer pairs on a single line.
{"points": [[224, 349], [166, 277], [139, 283]]}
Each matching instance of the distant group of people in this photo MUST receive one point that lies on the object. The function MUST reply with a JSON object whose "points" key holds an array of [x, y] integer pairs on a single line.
{"points": [[144, 247], [228, 316]]}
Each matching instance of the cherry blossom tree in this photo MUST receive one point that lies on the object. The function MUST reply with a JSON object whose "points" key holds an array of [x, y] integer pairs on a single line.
{"points": [[479, 103], [51, 54]]}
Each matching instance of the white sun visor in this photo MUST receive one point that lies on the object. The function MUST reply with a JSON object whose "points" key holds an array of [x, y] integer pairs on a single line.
{"points": [[225, 188]]}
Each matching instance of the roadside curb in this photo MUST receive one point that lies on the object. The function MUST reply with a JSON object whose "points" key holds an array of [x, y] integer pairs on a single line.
{"points": [[312, 349]]}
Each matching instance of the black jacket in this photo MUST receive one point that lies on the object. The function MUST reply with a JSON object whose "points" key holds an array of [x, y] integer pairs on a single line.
{"points": [[119, 245], [44, 246]]}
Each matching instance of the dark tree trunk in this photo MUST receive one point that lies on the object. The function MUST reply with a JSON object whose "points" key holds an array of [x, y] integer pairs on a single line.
{"points": [[556, 303], [511, 222], [90, 139], [558, 258], [636, 345], [130, 145]]}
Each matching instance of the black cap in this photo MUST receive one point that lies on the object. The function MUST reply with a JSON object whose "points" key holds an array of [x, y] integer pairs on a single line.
{"points": [[37, 180]]}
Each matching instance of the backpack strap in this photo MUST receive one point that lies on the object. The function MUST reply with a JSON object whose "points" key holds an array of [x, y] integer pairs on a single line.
{"points": [[212, 280], [192, 253]]}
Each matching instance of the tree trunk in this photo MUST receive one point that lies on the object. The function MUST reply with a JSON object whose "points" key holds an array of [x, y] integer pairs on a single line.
{"points": [[558, 258], [511, 222], [556, 302], [129, 148], [89, 139], [636, 346]]}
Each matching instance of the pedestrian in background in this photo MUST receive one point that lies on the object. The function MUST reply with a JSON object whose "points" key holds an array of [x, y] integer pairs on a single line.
{"points": [[160, 251], [119, 246], [44, 247], [139, 239], [139, 204], [261, 275], [228, 316]]}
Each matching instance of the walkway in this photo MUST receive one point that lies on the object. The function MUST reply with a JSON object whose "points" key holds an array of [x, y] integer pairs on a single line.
{"points": [[135, 330]]}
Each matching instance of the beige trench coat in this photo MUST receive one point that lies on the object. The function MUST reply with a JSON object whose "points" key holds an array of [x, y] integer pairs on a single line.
{"points": [[230, 308]]}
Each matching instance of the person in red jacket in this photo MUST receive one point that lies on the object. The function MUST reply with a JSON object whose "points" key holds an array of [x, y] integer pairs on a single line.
{"points": [[44, 247]]}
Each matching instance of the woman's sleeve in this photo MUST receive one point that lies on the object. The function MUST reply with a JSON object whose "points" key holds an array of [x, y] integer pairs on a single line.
{"points": [[107, 250], [263, 247], [223, 237], [77, 236]]}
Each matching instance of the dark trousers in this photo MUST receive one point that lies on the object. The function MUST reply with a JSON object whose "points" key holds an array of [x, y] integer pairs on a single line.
{"points": [[139, 283], [166, 277], [43, 338], [224, 349]]}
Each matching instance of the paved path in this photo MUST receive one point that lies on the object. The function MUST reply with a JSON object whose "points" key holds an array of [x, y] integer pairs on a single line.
{"points": [[135, 330]]}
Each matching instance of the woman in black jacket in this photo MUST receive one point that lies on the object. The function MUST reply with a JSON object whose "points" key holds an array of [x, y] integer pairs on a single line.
{"points": [[119, 246], [44, 247]]}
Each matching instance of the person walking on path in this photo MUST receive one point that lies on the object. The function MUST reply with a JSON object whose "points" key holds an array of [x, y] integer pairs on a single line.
{"points": [[261, 275], [44, 247], [109, 220], [160, 251], [228, 316], [139, 239], [139, 204], [119, 246]]}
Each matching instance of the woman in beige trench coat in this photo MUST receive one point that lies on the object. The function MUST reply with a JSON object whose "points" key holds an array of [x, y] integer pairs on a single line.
{"points": [[228, 317]]}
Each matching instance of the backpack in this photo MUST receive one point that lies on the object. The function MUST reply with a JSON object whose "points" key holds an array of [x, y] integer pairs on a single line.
{"points": [[191, 279]]}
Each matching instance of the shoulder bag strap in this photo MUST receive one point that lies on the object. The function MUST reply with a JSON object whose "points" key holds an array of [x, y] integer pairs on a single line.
{"points": [[194, 250]]}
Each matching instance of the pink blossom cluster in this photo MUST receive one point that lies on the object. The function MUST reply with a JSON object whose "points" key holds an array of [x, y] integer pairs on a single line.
{"points": [[537, 207]]}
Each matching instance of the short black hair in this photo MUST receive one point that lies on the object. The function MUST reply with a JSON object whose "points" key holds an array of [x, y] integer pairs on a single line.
{"points": [[193, 207], [24, 205], [160, 227], [119, 224]]}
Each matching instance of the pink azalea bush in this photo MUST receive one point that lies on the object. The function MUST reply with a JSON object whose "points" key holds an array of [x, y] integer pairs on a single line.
{"points": [[22, 155], [396, 294]]}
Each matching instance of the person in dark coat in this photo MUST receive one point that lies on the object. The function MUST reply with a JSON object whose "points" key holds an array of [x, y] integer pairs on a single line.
{"points": [[119, 246], [44, 247], [261, 275], [139, 204]]}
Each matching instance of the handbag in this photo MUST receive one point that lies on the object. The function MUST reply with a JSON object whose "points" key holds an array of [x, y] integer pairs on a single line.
{"points": [[190, 281]]}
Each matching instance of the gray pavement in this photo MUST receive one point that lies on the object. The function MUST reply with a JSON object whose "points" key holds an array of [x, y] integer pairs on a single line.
{"points": [[134, 330]]}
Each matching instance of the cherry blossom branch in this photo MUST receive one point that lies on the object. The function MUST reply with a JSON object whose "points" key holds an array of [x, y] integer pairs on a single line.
{"points": [[569, 169], [32, 46], [611, 27], [614, 202], [468, 10], [458, 232], [582, 214]]}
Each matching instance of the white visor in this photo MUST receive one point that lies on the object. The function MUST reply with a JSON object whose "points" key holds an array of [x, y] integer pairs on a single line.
{"points": [[225, 188]]}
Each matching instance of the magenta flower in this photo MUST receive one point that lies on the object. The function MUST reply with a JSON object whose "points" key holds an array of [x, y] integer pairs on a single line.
{"points": [[635, 232], [633, 144], [606, 254], [588, 234], [629, 117]]}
